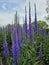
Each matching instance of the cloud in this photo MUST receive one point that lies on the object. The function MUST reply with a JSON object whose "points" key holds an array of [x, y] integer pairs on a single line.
{"points": [[6, 18], [14, 9], [19, 5], [4, 6], [11, 1]]}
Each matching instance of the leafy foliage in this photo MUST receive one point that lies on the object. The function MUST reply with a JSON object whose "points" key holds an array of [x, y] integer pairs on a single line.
{"points": [[29, 55], [1, 41], [8, 35]]}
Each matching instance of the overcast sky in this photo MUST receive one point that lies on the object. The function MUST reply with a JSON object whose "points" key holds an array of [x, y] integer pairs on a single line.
{"points": [[9, 7]]}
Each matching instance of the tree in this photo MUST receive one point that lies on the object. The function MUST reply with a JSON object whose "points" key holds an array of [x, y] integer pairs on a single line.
{"points": [[41, 24], [47, 10]]}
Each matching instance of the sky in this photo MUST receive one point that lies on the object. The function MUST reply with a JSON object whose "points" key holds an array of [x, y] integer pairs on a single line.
{"points": [[8, 9]]}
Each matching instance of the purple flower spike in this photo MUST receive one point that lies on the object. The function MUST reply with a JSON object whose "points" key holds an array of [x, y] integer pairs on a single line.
{"points": [[30, 26], [40, 51], [19, 35], [35, 22], [5, 45], [24, 33], [25, 21]]}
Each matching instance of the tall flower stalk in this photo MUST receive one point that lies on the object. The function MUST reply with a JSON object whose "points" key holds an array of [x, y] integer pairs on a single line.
{"points": [[24, 33], [16, 41], [19, 35], [5, 45], [14, 53], [30, 26], [14, 45], [25, 26], [35, 22], [15, 21], [25, 21]]}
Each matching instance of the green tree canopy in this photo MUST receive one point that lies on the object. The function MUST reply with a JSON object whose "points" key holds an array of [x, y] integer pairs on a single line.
{"points": [[41, 24]]}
